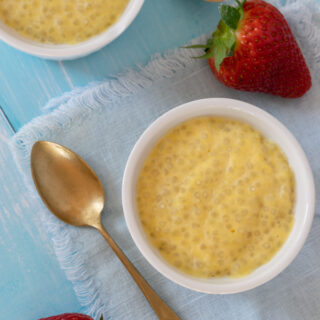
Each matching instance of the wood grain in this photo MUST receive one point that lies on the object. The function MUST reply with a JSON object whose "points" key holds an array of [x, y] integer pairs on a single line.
{"points": [[32, 285]]}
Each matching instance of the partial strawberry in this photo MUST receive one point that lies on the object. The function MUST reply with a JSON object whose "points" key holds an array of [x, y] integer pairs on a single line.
{"points": [[253, 49], [70, 316]]}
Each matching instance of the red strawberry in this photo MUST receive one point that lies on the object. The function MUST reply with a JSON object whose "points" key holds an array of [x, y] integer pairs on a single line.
{"points": [[70, 316], [253, 49]]}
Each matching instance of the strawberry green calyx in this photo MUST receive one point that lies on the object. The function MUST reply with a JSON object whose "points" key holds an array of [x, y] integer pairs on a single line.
{"points": [[223, 40], [231, 15]]}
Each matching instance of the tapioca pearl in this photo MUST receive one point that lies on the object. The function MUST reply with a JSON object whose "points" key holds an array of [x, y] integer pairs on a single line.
{"points": [[24, 6], [273, 224], [183, 230], [195, 211], [163, 246], [285, 226], [67, 8], [266, 230], [28, 30], [186, 216], [158, 197], [289, 219], [177, 263], [215, 238], [248, 235], [230, 169], [175, 232], [174, 179], [162, 223], [195, 239], [203, 247], [204, 135], [177, 220], [186, 235], [266, 245], [199, 264], [213, 214], [173, 249], [195, 225], [152, 234], [229, 226], [235, 266], [241, 230], [221, 254]]}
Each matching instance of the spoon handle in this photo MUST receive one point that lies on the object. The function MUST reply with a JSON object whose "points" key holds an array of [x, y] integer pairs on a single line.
{"points": [[161, 309]]}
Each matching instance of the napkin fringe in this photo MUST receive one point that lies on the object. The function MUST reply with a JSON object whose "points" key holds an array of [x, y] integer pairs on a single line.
{"points": [[73, 265], [129, 82], [104, 93]]}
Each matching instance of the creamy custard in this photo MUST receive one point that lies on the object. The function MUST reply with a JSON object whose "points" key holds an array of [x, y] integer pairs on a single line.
{"points": [[60, 21], [216, 197]]}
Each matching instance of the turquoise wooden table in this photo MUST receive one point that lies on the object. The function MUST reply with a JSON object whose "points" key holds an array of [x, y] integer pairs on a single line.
{"points": [[32, 285]]}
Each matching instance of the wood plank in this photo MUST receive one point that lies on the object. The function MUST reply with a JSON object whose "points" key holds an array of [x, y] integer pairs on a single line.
{"points": [[32, 285], [27, 83]]}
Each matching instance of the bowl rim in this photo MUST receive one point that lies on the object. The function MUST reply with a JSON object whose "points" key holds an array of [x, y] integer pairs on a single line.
{"points": [[72, 51], [146, 249]]}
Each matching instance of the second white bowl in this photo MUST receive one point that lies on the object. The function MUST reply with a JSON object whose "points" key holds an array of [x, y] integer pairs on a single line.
{"points": [[271, 128], [72, 51]]}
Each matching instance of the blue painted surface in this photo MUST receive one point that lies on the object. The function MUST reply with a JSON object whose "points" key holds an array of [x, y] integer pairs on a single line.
{"points": [[31, 284]]}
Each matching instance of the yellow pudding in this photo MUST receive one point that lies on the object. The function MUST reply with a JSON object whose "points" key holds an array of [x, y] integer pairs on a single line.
{"points": [[216, 197], [60, 21]]}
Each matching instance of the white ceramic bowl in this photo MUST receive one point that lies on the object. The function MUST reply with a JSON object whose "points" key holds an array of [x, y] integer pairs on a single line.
{"points": [[67, 52], [270, 128]]}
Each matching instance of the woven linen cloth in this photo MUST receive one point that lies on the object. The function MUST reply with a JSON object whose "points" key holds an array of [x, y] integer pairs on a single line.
{"points": [[103, 121]]}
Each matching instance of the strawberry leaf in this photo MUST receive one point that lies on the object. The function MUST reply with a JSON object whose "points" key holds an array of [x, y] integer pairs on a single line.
{"points": [[219, 53], [225, 34], [231, 51], [223, 43], [230, 16], [207, 55]]}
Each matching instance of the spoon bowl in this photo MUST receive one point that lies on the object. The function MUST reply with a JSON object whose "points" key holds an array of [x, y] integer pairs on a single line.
{"points": [[60, 176], [73, 193]]}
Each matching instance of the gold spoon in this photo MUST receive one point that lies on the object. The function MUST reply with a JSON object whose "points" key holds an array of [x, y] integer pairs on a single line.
{"points": [[73, 193]]}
